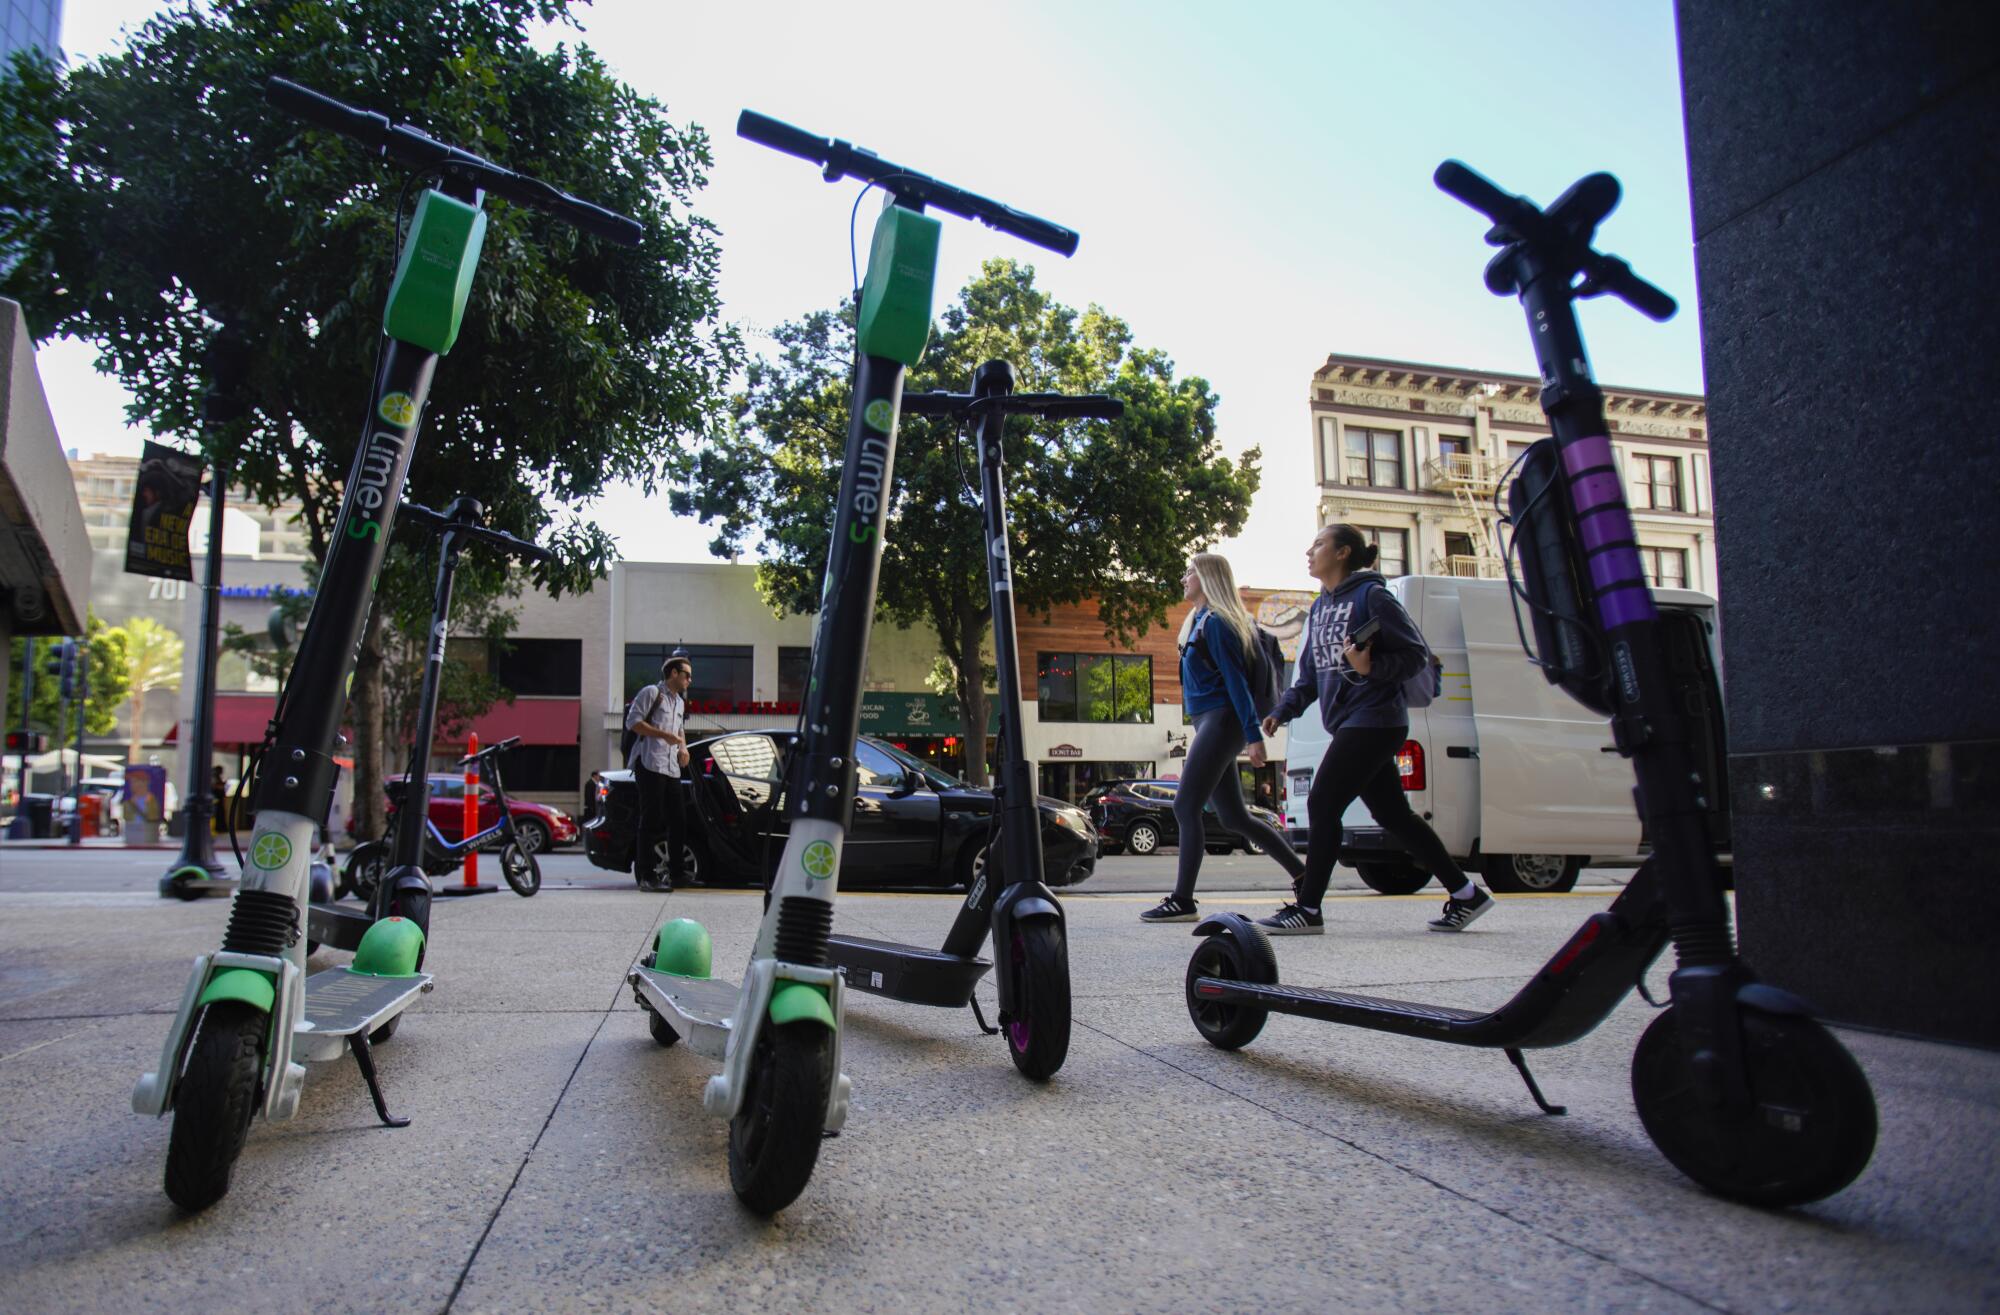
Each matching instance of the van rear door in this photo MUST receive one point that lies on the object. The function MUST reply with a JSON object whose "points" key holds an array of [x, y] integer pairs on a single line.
{"points": [[1550, 781]]}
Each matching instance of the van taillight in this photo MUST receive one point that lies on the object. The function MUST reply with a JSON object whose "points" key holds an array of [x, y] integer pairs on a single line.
{"points": [[1410, 765]]}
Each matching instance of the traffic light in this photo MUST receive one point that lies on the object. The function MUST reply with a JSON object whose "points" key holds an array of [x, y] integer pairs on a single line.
{"points": [[26, 742], [61, 663]]}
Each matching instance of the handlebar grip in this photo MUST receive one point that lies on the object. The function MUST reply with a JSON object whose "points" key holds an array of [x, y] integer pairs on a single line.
{"points": [[607, 224], [1476, 190], [314, 107], [779, 136], [1052, 237], [934, 404], [1645, 298], [1063, 406]]}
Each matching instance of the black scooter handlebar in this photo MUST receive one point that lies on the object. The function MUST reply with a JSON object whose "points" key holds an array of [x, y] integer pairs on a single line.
{"points": [[1478, 191], [438, 523], [841, 159], [407, 146], [1059, 406], [491, 749]]}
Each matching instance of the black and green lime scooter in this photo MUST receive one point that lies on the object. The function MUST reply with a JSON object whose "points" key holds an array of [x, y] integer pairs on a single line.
{"points": [[778, 1034], [250, 1018]]}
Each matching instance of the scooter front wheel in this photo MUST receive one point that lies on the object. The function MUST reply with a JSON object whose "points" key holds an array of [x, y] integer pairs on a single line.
{"points": [[518, 865], [774, 1138], [364, 869], [1222, 956], [1038, 1033], [1808, 1132], [214, 1102]]}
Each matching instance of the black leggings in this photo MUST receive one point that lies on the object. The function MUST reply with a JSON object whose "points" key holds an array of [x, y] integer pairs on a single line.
{"points": [[1210, 774], [1361, 761]]}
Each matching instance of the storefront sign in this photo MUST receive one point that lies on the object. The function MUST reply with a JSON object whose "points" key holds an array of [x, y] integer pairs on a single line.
{"points": [[1065, 751], [263, 591], [885, 713], [744, 708], [156, 541]]}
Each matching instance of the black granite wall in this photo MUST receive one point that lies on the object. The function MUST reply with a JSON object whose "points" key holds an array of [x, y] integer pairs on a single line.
{"points": [[1844, 159]]}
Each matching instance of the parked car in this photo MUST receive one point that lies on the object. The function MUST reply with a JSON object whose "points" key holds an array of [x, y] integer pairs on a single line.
{"points": [[913, 824], [1520, 781], [1139, 816], [542, 828]]}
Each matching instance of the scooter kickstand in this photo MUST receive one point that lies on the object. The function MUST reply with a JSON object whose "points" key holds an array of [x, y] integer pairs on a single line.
{"points": [[363, 1057], [981, 1019], [1533, 1090]]}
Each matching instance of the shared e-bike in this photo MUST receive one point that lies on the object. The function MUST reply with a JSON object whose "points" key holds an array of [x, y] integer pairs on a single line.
{"points": [[778, 1035], [1008, 898], [1735, 1081], [250, 1017], [416, 850]]}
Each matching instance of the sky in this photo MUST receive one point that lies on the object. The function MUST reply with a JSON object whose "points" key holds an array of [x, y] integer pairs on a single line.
{"points": [[1251, 182]]}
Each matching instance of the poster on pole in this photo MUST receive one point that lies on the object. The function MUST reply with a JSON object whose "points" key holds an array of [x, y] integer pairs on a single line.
{"points": [[156, 543]]}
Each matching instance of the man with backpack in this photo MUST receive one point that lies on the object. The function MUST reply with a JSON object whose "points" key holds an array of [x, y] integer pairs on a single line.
{"points": [[655, 746], [1230, 674], [1366, 664]]}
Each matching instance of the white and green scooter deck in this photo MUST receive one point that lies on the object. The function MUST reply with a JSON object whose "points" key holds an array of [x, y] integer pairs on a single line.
{"points": [[341, 1002], [699, 1008]]}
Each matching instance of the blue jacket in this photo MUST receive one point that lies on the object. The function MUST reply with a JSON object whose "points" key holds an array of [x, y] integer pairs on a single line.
{"points": [[1347, 699], [1214, 673]]}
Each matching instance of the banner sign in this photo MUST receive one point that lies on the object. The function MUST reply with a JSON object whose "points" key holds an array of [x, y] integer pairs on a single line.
{"points": [[156, 543]]}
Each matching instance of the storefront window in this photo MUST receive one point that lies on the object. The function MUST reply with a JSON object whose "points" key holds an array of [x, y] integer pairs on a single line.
{"points": [[721, 672], [794, 669], [1071, 781], [1094, 687]]}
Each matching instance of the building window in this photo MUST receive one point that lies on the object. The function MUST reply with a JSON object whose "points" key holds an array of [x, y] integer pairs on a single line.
{"points": [[794, 669], [550, 667], [1453, 445], [1073, 781], [1666, 568], [721, 672], [1656, 482], [1372, 457], [1395, 546], [1096, 687]]}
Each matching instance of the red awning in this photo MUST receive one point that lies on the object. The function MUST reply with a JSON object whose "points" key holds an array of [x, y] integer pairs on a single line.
{"points": [[536, 721], [240, 720]]}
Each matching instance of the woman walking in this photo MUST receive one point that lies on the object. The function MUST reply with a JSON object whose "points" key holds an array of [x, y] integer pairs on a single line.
{"points": [[1360, 694], [1216, 647]]}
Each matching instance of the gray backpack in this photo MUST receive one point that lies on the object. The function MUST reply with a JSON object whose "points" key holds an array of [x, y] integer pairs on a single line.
{"points": [[1428, 682]]}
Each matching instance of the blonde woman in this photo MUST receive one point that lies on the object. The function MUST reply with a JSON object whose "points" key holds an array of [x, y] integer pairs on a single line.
{"points": [[1216, 645]]}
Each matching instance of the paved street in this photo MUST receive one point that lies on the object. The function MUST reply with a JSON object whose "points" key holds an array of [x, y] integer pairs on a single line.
{"points": [[559, 1160]]}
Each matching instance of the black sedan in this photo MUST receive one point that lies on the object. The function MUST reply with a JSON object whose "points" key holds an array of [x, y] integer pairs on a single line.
{"points": [[913, 824], [1139, 816]]}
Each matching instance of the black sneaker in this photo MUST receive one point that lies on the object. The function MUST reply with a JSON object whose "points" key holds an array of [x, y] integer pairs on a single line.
{"points": [[1459, 913], [1293, 920], [1171, 909]]}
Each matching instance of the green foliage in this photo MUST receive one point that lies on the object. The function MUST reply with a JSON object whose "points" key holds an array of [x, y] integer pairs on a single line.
{"points": [[1105, 512], [107, 680]]}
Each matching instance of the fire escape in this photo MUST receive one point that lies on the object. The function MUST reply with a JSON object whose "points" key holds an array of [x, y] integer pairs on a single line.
{"points": [[1471, 481]]}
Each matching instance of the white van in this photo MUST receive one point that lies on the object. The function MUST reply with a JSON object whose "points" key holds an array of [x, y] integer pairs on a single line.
{"points": [[1519, 780]]}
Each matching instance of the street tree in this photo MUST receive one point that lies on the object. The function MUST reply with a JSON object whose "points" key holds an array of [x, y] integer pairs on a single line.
{"points": [[152, 662], [152, 196], [1105, 512], [105, 685]]}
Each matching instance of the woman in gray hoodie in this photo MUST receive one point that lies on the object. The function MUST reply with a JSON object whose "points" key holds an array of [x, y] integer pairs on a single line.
{"points": [[1359, 689]]}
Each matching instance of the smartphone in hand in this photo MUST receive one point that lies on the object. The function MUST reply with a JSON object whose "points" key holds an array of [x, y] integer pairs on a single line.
{"points": [[1364, 634]]}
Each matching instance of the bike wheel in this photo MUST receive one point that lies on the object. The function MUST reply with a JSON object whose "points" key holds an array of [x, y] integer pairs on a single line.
{"points": [[1038, 1036], [1809, 1130], [1229, 1026], [364, 869], [214, 1102], [523, 873], [774, 1138]]}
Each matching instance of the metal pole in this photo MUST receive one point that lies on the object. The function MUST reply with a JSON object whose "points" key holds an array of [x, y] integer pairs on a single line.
{"points": [[27, 701], [82, 703]]}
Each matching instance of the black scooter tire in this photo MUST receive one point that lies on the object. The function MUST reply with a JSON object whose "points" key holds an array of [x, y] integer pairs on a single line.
{"points": [[1810, 1130], [774, 1138], [518, 865], [1227, 1026], [1038, 1039], [214, 1102], [362, 872]]}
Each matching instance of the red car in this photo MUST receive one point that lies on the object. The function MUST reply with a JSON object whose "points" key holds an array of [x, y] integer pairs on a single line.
{"points": [[542, 828]]}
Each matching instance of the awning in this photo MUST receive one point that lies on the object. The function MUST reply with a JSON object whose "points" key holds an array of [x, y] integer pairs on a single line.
{"points": [[535, 720], [240, 720]]}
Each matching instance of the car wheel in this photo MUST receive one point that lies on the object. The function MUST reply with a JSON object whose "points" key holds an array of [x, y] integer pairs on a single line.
{"points": [[691, 874], [1530, 874], [1143, 838], [1393, 878], [972, 859], [534, 835]]}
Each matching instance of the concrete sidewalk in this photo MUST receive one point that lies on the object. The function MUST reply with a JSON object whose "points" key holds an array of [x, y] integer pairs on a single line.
{"points": [[560, 1161]]}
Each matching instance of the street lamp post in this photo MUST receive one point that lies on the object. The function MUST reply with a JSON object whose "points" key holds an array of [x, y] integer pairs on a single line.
{"points": [[228, 359]]}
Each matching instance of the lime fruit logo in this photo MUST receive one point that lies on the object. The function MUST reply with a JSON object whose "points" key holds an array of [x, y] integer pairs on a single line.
{"points": [[879, 415], [271, 852], [398, 409], [818, 860]]}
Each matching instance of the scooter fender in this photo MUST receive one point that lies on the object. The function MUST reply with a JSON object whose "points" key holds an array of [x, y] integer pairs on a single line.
{"points": [[796, 1002], [266, 983], [1243, 932], [251, 987], [1768, 999]]}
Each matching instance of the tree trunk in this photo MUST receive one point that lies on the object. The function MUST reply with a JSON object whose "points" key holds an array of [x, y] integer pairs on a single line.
{"points": [[972, 695], [370, 814], [138, 720]]}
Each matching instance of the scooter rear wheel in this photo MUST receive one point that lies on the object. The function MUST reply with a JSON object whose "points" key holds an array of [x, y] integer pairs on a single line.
{"points": [[1810, 1128], [1038, 1036], [518, 865], [214, 1102], [774, 1138], [363, 871], [1227, 1026]]}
